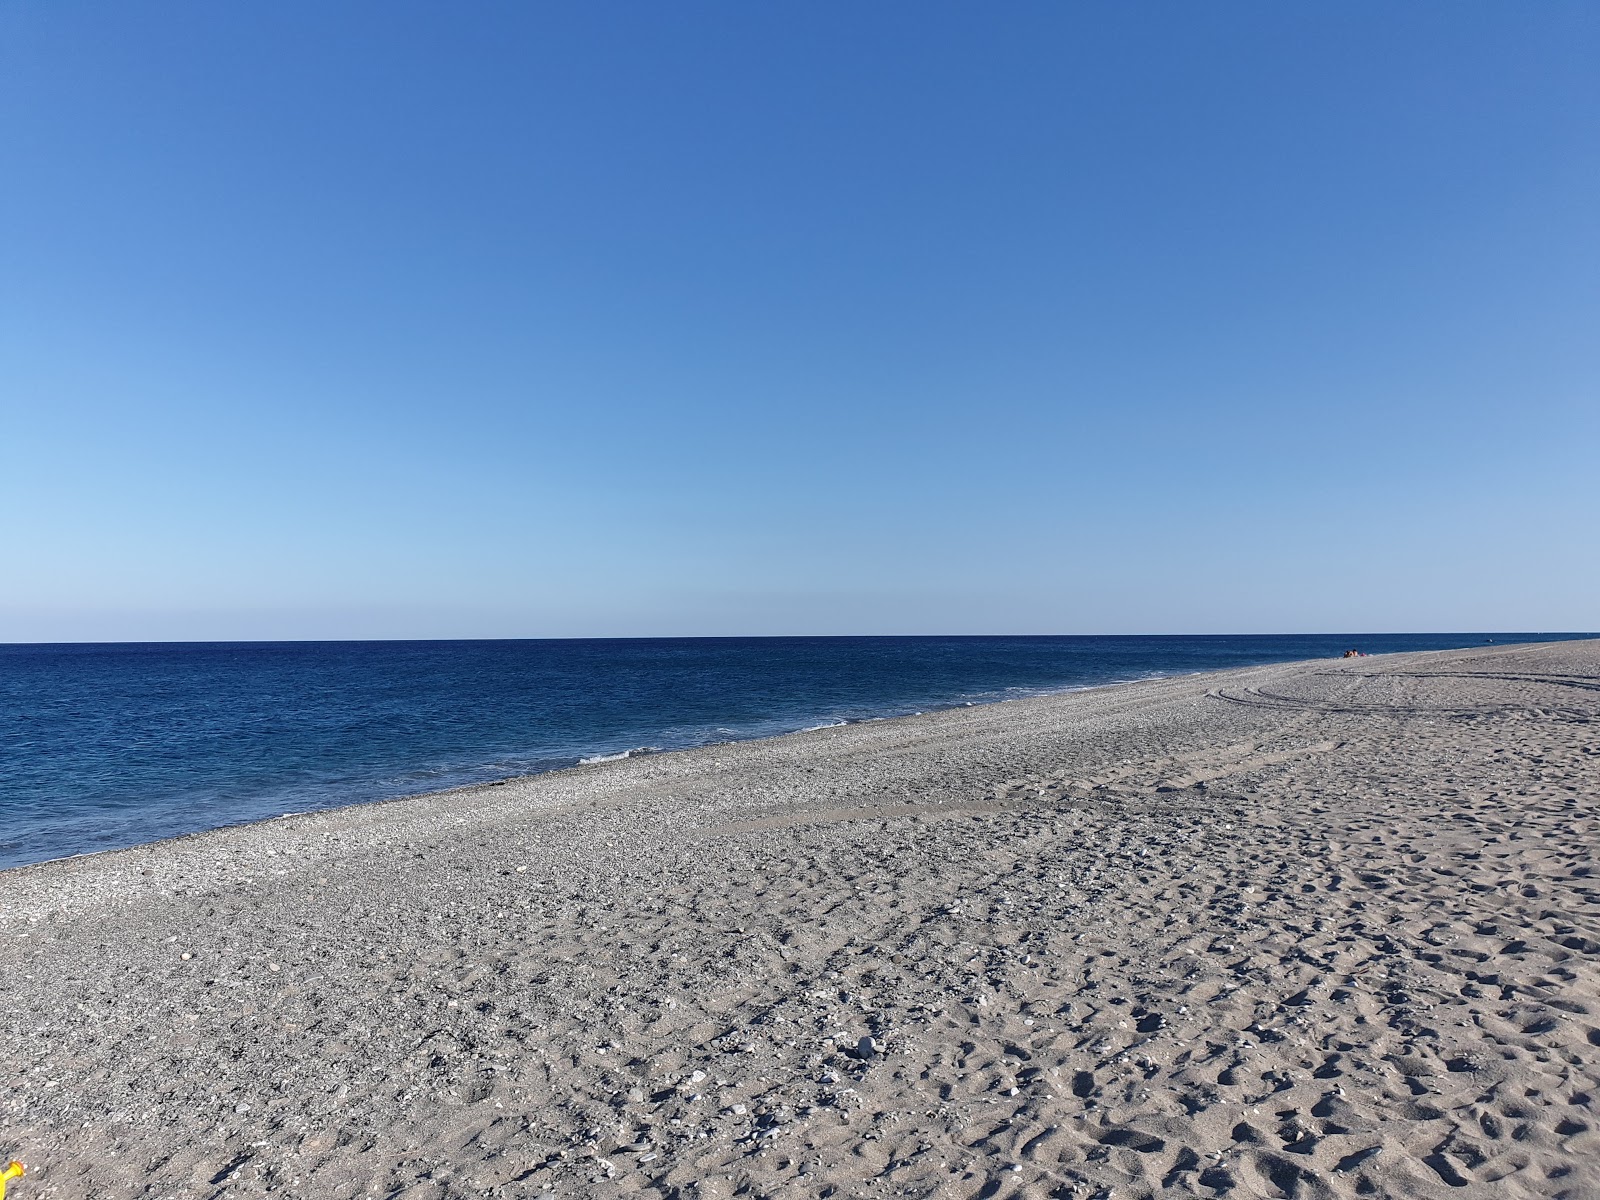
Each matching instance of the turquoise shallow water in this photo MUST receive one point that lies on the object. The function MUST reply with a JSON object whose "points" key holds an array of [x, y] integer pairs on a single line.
{"points": [[112, 745]]}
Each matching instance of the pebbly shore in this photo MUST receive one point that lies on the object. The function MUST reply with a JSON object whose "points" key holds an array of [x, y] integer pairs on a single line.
{"points": [[1318, 929]]}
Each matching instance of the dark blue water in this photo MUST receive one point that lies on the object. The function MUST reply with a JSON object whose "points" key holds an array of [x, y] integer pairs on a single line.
{"points": [[112, 745]]}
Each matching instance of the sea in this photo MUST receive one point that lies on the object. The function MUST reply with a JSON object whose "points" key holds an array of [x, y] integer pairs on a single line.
{"points": [[108, 745]]}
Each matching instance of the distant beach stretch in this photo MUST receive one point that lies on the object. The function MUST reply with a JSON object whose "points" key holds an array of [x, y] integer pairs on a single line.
{"points": [[116, 744], [1323, 928]]}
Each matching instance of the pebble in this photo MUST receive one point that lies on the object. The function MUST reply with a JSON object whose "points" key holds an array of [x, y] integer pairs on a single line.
{"points": [[867, 1047]]}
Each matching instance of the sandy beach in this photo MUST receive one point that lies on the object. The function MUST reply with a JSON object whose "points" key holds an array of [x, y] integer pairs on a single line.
{"points": [[1323, 929]]}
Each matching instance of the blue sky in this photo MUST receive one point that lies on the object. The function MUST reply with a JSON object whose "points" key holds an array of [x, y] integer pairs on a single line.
{"points": [[505, 319]]}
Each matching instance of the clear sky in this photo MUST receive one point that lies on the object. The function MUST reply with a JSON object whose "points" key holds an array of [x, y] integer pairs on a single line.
{"points": [[506, 319]]}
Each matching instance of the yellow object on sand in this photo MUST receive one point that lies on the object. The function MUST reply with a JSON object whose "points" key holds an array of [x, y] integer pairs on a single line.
{"points": [[14, 1170]]}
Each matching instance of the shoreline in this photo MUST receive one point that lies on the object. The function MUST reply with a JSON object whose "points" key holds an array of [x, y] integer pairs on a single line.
{"points": [[626, 755], [1324, 928], [355, 724]]}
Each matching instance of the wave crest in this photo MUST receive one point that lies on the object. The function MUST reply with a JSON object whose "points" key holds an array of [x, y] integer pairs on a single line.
{"points": [[604, 758]]}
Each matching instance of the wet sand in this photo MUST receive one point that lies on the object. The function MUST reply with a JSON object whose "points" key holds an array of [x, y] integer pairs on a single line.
{"points": [[1324, 929]]}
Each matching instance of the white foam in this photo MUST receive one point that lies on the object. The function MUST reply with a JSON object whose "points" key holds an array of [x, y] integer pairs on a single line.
{"points": [[605, 758]]}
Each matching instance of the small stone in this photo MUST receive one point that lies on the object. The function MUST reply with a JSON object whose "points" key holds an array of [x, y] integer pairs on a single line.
{"points": [[186, 956], [867, 1047]]}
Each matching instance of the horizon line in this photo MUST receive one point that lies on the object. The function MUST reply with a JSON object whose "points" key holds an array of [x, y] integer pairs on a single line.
{"points": [[749, 637]]}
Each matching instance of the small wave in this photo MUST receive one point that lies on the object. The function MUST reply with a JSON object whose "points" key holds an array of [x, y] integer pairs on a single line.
{"points": [[604, 758], [824, 725]]}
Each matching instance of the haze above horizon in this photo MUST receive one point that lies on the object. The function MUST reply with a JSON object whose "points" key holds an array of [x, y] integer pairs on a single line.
{"points": [[412, 321]]}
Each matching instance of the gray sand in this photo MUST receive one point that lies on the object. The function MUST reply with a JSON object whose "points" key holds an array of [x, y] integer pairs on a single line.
{"points": [[1323, 929]]}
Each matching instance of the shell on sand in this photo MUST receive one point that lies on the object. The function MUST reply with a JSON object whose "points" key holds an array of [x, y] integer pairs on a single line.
{"points": [[1321, 929]]}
